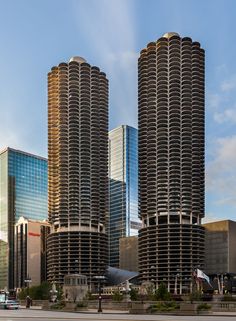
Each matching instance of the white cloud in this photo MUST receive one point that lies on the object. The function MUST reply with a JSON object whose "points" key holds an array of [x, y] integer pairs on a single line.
{"points": [[220, 100], [229, 84], [221, 172], [228, 115]]}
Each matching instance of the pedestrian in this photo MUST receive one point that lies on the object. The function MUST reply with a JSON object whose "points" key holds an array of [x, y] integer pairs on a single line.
{"points": [[28, 302]]}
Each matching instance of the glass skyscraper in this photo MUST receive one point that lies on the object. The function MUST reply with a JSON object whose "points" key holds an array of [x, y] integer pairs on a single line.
{"points": [[23, 192], [123, 175]]}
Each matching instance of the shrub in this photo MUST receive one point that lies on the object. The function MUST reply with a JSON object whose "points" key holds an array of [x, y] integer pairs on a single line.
{"points": [[164, 306], [117, 296], [58, 306], [81, 304], [203, 306]]}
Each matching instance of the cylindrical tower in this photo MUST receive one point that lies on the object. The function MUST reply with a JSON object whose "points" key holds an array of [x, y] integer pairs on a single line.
{"points": [[171, 160], [77, 170]]}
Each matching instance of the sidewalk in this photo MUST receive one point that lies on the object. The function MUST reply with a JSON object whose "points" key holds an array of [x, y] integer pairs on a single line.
{"points": [[78, 311], [107, 311], [34, 307]]}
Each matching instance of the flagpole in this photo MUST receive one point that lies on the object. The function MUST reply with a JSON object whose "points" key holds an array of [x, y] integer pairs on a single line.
{"points": [[222, 283]]}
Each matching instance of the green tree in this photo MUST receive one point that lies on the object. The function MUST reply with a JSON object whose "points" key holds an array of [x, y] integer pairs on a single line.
{"points": [[37, 292], [133, 294], [195, 296], [162, 293], [59, 292]]}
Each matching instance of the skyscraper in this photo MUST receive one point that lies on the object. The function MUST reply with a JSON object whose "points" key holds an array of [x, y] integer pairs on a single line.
{"points": [[23, 192], [30, 251], [123, 192], [77, 169], [171, 160]]}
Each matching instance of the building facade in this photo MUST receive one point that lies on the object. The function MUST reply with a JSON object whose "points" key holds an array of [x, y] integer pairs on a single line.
{"points": [[220, 243], [171, 160], [123, 189], [30, 251], [78, 170], [23, 191], [129, 253]]}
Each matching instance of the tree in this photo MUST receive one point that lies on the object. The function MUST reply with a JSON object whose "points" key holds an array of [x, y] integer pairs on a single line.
{"points": [[195, 296], [37, 292], [162, 293], [133, 294]]}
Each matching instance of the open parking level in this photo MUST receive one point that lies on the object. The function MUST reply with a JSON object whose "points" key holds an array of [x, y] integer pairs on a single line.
{"points": [[38, 315]]}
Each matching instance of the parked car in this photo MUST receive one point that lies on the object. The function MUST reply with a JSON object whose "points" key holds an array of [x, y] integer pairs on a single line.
{"points": [[9, 305]]}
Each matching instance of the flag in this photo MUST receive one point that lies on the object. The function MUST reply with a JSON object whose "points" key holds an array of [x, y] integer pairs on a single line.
{"points": [[202, 275], [194, 274]]}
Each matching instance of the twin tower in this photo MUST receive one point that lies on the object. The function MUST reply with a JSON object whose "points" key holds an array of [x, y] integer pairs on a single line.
{"points": [[171, 165]]}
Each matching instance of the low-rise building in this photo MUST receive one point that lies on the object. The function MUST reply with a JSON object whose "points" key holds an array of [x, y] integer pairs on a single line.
{"points": [[75, 287], [220, 245]]}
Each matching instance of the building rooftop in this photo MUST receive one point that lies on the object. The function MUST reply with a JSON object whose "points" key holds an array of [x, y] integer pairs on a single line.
{"points": [[121, 126], [21, 152], [170, 34], [117, 276], [78, 59], [26, 219]]}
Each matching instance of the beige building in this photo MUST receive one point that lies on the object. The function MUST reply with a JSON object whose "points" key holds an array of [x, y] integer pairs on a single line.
{"points": [[220, 244], [30, 251], [129, 253]]}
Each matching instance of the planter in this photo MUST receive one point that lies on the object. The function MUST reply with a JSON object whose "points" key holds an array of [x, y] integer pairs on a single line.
{"points": [[70, 306], [138, 308], [187, 308], [204, 312]]}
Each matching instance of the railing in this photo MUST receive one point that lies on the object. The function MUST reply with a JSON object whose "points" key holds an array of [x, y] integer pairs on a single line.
{"points": [[221, 306]]}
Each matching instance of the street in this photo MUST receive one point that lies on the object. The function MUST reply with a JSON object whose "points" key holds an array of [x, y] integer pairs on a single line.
{"points": [[38, 315]]}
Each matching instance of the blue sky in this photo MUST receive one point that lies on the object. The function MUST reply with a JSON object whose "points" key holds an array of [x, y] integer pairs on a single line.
{"points": [[37, 34]]}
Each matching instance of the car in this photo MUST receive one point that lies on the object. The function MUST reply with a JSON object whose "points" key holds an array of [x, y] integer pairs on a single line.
{"points": [[10, 305]]}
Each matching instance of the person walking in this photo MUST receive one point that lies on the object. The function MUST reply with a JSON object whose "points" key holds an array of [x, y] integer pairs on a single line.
{"points": [[28, 302]]}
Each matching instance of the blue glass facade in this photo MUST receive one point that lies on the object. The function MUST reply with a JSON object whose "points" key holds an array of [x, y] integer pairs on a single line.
{"points": [[23, 192], [123, 175]]}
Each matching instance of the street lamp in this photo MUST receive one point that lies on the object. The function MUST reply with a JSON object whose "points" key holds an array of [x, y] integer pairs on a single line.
{"points": [[99, 278], [176, 283], [176, 279], [153, 276], [76, 266], [28, 281]]}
